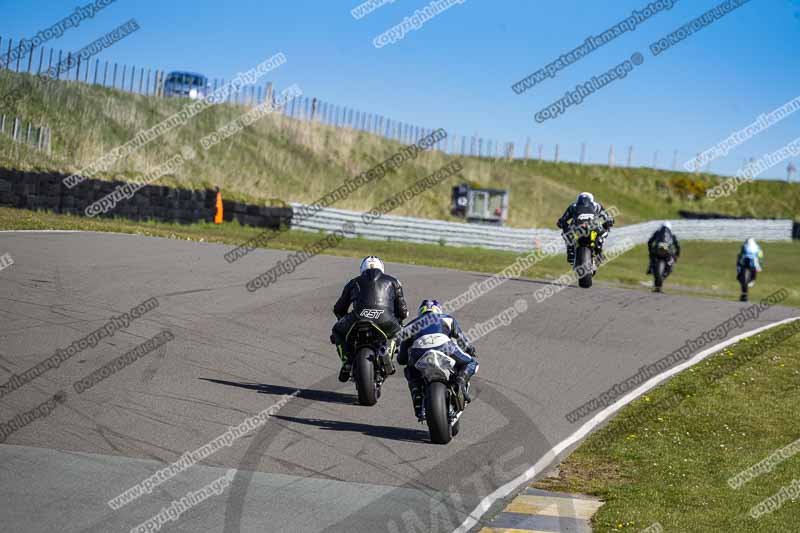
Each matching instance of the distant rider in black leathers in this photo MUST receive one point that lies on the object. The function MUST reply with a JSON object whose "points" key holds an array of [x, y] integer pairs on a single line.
{"points": [[375, 292], [585, 204], [663, 235], [433, 329]]}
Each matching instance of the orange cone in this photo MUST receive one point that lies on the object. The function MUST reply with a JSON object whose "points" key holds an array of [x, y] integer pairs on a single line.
{"points": [[218, 216]]}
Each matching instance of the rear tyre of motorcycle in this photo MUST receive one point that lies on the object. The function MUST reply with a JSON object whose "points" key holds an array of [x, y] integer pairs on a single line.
{"points": [[661, 268], [365, 378], [436, 412], [583, 259], [744, 280]]}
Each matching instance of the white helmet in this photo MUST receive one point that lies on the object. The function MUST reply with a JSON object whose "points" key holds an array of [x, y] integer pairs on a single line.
{"points": [[371, 262], [667, 224], [588, 195], [750, 244]]}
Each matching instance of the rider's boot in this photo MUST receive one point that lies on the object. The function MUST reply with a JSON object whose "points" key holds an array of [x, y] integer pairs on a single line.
{"points": [[600, 256], [463, 384], [347, 366], [387, 355], [419, 404]]}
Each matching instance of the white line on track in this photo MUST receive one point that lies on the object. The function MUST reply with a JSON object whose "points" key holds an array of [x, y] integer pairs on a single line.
{"points": [[548, 458]]}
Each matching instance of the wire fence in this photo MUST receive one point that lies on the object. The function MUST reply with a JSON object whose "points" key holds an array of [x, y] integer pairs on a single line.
{"points": [[150, 82], [23, 132]]}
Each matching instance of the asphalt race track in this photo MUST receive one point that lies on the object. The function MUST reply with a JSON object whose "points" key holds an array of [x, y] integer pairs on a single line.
{"points": [[322, 463]]}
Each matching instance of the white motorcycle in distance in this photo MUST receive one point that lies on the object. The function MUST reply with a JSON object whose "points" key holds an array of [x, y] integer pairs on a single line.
{"points": [[444, 400]]}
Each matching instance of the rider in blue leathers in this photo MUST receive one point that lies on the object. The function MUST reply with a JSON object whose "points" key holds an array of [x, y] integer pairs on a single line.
{"points": [[750, 251], [433, 329]]}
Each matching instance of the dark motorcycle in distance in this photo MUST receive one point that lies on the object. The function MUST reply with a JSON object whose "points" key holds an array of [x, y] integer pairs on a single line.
{"points": [[372, 360], [585, 233], [444, 399], [661, 264], [747, 275]]}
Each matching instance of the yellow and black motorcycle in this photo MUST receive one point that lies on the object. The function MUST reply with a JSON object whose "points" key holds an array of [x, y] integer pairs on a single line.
{"points": [[585, 232]]}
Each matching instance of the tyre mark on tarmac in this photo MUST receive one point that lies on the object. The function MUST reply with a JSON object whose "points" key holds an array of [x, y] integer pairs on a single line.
{"points": [[520, 438]]}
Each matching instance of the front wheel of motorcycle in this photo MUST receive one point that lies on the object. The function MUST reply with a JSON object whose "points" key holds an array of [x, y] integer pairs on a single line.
{"points": [[365, 378], [583, 259], [436, 412], [661, 268]]}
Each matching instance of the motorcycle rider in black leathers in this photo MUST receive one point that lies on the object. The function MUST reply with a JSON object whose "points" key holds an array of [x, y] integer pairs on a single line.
{"points": [[372, 293], [663, 235], [585, 204], [435, 330]]}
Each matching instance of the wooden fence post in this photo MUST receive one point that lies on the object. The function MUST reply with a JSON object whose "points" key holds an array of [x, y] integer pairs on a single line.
{"points": [[8, 55], [58, 66], [630, 155], [583, 153], [556, 158], [611, 156]]}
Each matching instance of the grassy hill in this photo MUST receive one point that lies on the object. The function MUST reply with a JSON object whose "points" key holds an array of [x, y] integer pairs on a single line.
{"points": [[281, 158]]}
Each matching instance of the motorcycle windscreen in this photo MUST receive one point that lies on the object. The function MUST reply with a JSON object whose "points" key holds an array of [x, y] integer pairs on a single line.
{"points": [[436, 366]]}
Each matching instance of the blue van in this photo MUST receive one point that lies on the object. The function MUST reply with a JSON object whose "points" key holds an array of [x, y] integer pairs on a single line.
{"points": [[185, 85]]}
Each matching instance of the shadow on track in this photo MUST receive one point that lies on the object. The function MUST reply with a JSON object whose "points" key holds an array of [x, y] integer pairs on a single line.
{"points": [[383, 432], [313, 395]]}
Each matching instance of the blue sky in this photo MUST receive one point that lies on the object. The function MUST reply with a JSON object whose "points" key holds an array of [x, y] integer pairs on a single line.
{"points": [[456, 71]]}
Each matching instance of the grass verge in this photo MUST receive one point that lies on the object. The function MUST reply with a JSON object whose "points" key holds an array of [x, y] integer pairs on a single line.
{"points": [[705, 269], [668, 456], [281, 158]]}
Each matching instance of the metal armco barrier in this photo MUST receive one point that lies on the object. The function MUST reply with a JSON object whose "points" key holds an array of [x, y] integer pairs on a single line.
{"points": [[410, 229]]}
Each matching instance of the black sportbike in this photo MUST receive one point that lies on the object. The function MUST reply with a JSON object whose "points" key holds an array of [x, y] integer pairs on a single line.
{"points": [[372, 359], [661, 264], [586, 232], [747, 276]]}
